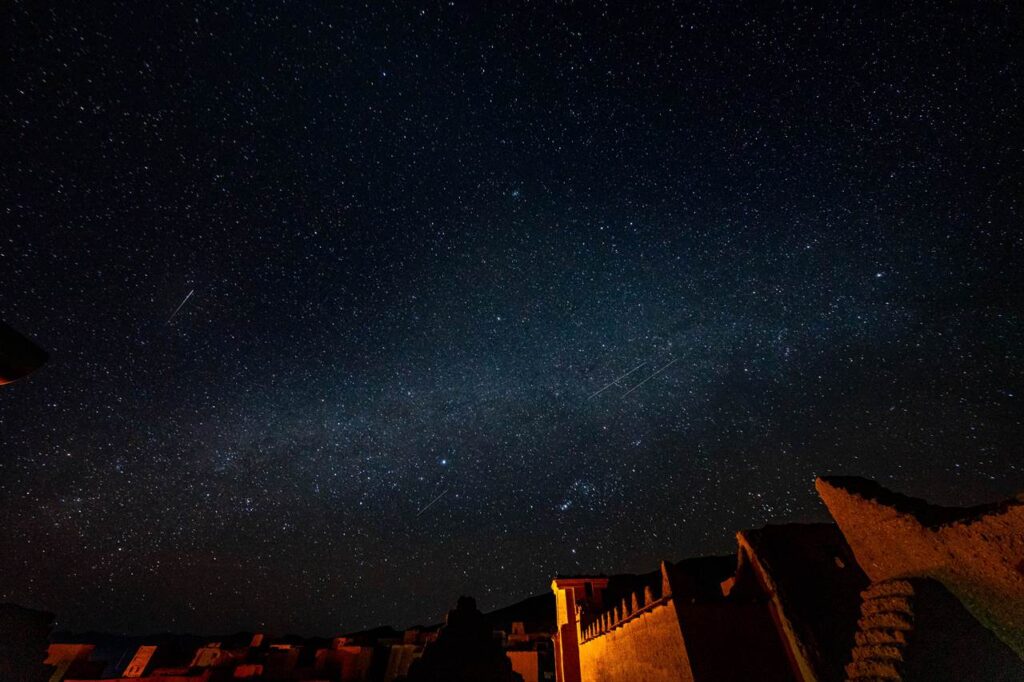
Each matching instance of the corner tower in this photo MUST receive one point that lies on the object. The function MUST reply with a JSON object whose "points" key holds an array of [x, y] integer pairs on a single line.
{"points": [[573, 596]]}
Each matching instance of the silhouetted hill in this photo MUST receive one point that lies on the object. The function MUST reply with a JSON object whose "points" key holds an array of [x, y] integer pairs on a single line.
{"points": [[538, 612]]}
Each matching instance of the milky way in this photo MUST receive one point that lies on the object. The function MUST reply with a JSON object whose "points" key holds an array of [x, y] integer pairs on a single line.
{"points": [[413, 243]]}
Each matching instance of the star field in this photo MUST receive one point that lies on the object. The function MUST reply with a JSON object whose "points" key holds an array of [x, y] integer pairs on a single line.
{"points": [[423, 237]]}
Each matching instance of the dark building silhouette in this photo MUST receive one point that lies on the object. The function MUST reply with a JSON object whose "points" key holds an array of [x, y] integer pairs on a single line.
{"points": [[19, 356], [465, 651], [24, 634]]}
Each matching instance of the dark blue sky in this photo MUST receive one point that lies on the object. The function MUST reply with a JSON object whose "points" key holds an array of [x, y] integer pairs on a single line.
{"points": [[419, 238]]}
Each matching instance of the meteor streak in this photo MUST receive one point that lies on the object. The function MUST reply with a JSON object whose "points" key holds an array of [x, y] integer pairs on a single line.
{"points": [[431, 503], [180, 306], [615, 381], [660, 370]]}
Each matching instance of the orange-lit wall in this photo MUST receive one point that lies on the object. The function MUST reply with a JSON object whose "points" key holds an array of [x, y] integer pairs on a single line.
{"points": [[981, 561], [400, 659], [354, 662], [61, 656], [138, 664], [525, 663], [201, 677], [57, 654], [647, 647]]}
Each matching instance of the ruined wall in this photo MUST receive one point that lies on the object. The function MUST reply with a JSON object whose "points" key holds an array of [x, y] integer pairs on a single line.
{"points": [[63, 656], [978, 554], [648, 646], [915, 630], [399, 660], [354, 662], [139, 661], [526, 664]]}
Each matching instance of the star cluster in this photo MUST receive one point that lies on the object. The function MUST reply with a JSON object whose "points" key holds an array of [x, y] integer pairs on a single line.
{"points": [[482, 295]]}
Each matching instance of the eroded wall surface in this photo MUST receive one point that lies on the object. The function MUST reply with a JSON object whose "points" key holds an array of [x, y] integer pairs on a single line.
{"points": [[979, 558], [647, 647], [525, 663]]}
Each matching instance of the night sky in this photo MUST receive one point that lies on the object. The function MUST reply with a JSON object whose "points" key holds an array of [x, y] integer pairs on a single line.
{"points": [[414, 242]]}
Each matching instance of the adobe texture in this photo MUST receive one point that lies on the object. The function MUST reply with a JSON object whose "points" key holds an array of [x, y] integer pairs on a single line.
{"points": [[643, 646], [976, 553]]}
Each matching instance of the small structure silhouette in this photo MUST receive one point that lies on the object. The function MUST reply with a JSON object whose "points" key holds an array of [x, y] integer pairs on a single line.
{"points": [[19, 356], [465, 651], [23, 642]]}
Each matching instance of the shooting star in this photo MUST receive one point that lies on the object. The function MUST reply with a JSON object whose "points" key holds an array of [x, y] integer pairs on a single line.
{"points": [[660, 370], [615, 381], [180, 306], [431, 503]]}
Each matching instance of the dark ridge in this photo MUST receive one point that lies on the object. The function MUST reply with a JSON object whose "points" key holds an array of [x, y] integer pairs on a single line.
{"points": [[580, 576], [373, 634], [236, 639], [930, 515], [537, 612]]}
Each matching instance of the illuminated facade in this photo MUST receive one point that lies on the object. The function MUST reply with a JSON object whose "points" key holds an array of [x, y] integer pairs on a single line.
{"points": [[897, 590]]}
